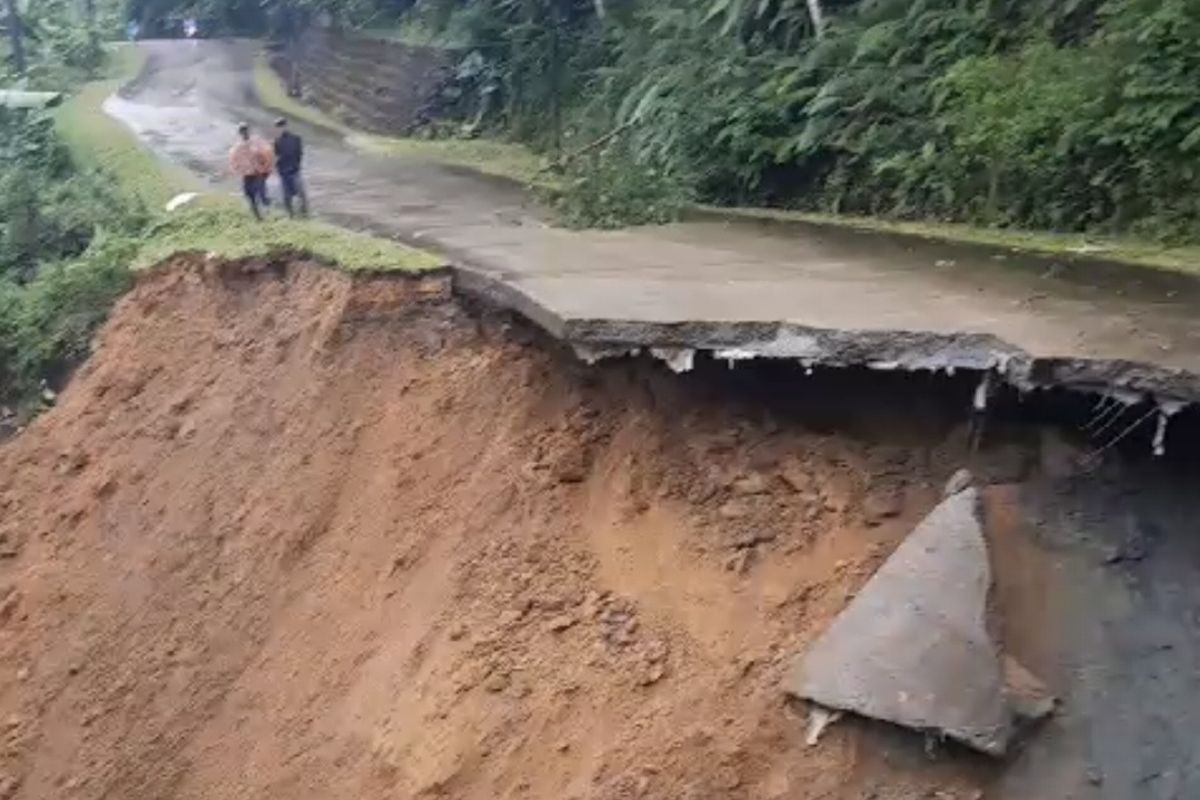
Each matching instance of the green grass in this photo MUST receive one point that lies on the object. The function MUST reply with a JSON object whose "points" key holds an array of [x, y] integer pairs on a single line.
{"points": [[216, 221], [228, 229], [487, 156], [415, 32], [1076, 245]]}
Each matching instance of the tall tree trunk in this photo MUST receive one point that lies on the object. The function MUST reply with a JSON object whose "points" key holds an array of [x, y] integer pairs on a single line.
{"points": [[14, 35], [555, 76], [93, 34], [818, 17]]}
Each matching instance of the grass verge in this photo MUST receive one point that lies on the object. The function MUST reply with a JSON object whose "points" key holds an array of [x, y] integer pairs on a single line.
{"points": [[497, 159], [215, 221], [227, 229], [1135, 252]]}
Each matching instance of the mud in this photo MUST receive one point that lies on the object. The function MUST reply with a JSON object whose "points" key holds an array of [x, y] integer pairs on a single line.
{"points": [[290, 533]]}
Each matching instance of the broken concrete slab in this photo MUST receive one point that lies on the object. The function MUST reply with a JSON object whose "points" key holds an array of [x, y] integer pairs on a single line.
{"points": [[913, 648], [959, 481], [1028, 698]]}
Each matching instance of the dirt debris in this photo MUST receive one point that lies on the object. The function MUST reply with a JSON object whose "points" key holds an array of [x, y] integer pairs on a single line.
{"points": [[393, 549]]}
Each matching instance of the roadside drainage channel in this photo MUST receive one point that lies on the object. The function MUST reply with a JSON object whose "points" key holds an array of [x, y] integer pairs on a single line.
{"points": [[1128, 396]]}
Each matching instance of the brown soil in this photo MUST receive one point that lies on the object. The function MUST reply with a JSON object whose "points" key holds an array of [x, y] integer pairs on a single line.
{"points": [[295, 535]]}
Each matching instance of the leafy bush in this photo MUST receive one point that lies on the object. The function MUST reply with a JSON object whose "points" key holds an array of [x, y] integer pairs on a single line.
{"points": [[613, 189], [46, 325], [1153, 130], [50, 211], [687, 93], [1026, 130], [61, 47], [66, 240], [1061, 114]]}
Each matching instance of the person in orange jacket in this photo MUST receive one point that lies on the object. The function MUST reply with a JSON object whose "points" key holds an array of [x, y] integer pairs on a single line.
{"points": [[252, 160]]}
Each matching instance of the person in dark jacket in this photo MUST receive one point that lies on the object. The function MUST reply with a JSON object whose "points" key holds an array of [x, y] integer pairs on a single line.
{"points": [[289, 153]]}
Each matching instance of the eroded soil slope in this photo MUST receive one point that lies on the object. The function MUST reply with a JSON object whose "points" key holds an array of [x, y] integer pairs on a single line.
{"points": [[290, 534]]}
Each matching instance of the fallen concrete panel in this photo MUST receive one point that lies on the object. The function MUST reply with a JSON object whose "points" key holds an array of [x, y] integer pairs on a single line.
{"points": [[913, 648], [1028, 697]]}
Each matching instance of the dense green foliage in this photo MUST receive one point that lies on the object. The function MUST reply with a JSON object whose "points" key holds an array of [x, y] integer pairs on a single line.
{"points": [[1063, 114], [612, 189], [64, 249], [62, 41], [46, 324], [1060, 114], [49, 210]]}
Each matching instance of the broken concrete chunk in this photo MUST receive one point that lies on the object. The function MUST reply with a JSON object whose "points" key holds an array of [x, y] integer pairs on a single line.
{"points": [[912, 648], [959, 481], [1136, 543], [1028, 697], [819, 718]]}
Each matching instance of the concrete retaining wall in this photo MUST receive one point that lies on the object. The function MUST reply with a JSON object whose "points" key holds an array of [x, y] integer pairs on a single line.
{"points": [[370, 84]]}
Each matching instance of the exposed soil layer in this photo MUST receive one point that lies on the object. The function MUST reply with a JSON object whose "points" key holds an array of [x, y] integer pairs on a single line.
{"points": [[293, 534]]}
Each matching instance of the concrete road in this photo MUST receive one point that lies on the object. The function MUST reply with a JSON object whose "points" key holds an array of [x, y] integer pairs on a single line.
{"points": [[967, 308]]}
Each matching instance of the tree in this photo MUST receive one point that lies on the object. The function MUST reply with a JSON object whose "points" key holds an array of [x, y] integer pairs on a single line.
{"points": [[818, 18], [15, 38], [89, 16]]}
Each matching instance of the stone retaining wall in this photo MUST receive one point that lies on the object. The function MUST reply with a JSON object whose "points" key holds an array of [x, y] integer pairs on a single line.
{"points": [[371, 84]]}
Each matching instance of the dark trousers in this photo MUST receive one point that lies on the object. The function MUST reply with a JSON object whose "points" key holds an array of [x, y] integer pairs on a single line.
{"points": [[293, 189], [254, 187]]}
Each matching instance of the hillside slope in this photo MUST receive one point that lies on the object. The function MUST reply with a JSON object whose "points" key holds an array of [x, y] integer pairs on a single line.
{"points": [[292, 533]]}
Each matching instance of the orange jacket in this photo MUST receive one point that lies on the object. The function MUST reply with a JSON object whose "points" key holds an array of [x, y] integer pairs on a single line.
{"points": [[251, 156]]}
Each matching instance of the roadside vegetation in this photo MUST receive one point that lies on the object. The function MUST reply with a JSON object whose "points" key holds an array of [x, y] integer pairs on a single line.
{"points": [[67, 234], [59, 42], [82, 208], [1030, 114]]}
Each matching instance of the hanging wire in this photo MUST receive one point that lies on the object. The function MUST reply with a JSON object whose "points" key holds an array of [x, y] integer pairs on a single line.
{"points": [[1094, 457], [1099, 408], [1114, 406], [1112, 420]]}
